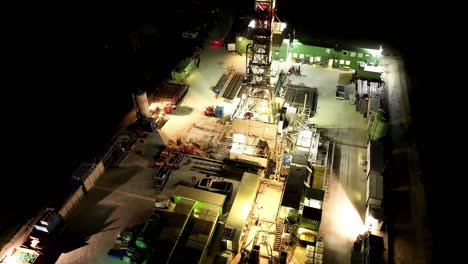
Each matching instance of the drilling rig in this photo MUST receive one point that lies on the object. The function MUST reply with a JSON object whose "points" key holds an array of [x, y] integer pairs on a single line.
{"points": [[263, 132], [254, 124], [258, 95], [258, 68]]}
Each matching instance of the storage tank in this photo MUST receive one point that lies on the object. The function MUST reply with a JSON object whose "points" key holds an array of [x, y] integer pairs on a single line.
{"points": [[141, 101], [219, 111]]}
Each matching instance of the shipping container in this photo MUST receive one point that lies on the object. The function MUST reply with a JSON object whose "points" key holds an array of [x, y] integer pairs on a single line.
{"points": [[170, 93], [374, 190]]}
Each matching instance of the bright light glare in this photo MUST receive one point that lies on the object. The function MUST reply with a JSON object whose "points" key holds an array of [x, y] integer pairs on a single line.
{"points": [[375, 52], [346, 219], [313, 203], [282, 26], [246, 211], [252, 24], [153, 107], [371, 223], [239, 138], [302, 230], [9, 259], [240, 39]]}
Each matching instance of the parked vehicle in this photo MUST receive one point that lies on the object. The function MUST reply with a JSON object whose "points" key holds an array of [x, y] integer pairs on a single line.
{"points": [[161, 176], [162, 203], [192, 32]]}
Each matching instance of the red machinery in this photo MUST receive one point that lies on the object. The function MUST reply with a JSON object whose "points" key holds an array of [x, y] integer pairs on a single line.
{"points": [[209, 111], [187, 150], [168, 109]]}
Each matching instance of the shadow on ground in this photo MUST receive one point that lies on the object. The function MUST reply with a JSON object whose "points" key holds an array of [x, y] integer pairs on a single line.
{"points": [[116, 177], [89, 223], [182, 110]]}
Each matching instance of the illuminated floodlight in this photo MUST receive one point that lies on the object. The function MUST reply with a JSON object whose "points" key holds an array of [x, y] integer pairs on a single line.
{"points": [[345, 217]]}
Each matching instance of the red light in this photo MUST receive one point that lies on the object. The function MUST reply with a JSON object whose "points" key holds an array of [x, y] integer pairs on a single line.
{"points": [[216, 42]]}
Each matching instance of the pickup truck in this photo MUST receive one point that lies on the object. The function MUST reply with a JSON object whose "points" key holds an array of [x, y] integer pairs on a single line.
{"points": [[162, 203]]}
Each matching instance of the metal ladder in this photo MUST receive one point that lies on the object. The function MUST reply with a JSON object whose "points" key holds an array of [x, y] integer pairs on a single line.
{"points": [[278, 233], [303, 114], [279, 156]]}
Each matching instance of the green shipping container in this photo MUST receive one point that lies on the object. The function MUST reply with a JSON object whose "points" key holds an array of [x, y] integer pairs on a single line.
{"points": [[378, 128], [180, 73]]}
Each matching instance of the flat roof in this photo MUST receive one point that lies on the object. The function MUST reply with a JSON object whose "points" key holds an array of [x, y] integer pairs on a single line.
{"points": [[295, 187], [297, 94], [200, 195], [376, 156], [244, 200], [300, 157], [315, 194], [318, 177], [375, 186]]}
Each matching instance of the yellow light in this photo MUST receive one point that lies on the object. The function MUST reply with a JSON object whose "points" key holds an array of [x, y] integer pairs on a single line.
{"points": [[302, 230], [371, 222], [153, 107], [246, 211], [240, 38], [346, 219]]}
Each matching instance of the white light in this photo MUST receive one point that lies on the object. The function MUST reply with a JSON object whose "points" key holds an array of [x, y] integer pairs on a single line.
{"points": [[252, 24], [313, 203], [10, 260], [304, 139], [371, 223], [374, 52], [240, 39], [153, 107], [239, 138], [282, 26]]}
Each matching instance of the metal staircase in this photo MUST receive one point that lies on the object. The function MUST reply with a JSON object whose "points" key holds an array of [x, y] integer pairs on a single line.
{"points": [[279, 156], [278, 233], [304, 114]]}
